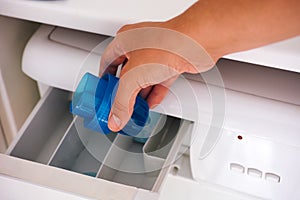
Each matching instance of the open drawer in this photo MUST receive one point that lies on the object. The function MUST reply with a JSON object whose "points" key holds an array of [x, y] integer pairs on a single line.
{"points": [[53, 149]]}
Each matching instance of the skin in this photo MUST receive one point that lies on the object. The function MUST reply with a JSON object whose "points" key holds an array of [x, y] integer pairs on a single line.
{"points": [[220, 27]]}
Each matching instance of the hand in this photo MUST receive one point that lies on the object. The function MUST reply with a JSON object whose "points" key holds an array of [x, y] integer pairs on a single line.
{"points": [[155, 54], [149, 71]]}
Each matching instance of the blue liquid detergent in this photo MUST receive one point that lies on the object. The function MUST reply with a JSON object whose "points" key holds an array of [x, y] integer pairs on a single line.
{"points": [[93, 99], [149, 127], [92, 174]]}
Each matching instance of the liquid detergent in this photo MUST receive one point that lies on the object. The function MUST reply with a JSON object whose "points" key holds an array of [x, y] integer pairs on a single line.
{"points": [[93, 99]]}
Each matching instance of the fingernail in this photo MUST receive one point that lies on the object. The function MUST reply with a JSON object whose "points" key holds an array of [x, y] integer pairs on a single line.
{"points": [[114, 122]]}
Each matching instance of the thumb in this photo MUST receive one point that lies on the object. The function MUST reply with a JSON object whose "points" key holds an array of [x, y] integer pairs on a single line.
{"points": [[123, 104]]}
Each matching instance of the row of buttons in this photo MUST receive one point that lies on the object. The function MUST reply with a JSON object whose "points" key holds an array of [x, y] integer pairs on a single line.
{"points": [[254, 172]]}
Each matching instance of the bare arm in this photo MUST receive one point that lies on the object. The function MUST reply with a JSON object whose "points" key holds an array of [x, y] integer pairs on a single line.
{"points": [[225, 27], [220, 27]]}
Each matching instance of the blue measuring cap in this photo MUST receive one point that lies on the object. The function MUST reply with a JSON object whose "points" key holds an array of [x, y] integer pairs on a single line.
{"points": [[93, 99]]}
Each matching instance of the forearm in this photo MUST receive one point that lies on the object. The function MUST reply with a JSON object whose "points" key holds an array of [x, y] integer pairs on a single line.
{"points": [[224, 27], [220, 26]]}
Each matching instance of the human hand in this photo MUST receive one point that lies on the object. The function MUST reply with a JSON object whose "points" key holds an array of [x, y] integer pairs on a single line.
{"points": [[154, 55]]}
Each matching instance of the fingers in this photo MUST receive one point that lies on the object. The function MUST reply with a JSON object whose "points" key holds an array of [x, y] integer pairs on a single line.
{"points": [[113, 67], [123, 104], [159, 92], [130, 84], [145, 92], [122, 107], [157, 95], [114, 54], [112, 57]]}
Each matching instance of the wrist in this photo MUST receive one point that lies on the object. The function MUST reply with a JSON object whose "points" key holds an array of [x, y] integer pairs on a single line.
{"points": [[205, 39]]}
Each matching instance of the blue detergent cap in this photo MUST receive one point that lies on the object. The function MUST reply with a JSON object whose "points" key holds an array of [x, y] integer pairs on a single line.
{"points": [[93, 99], [150, 126]]}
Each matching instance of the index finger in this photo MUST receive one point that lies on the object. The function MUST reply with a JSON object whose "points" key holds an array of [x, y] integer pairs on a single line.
{"points": [[112, 57]]}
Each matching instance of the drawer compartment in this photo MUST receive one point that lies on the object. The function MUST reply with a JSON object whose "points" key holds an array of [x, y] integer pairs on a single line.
{"points": [[82, 150], [53, 136], [124, 164], [158, 146], [44, 128]]}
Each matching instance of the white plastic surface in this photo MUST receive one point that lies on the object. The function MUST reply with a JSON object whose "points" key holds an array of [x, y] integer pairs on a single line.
{"points": [[98, 16], [16, 189], [150, 161], [5, 104], [106, 17], [66, 52], [256, 151], [62, 180], [56, 64], [3, 144], [18, 93], [177, 188], [281, 55]]}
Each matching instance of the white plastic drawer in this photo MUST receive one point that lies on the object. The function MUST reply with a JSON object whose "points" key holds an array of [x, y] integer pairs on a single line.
{"points": [[55, 150], [44, 128]]}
